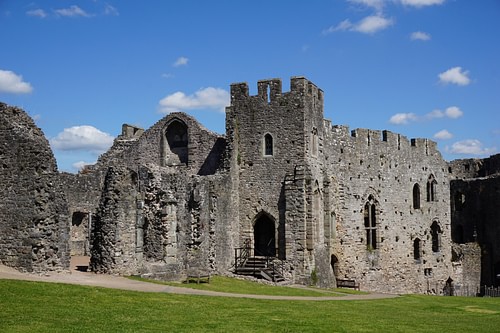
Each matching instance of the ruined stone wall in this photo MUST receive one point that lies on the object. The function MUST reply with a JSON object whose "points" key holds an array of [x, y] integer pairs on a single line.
{"points": [[83, 192], [181, 198], [203, 150], [466, 262], [381, 169], [475, 206], [34, 218], [113, 247]]}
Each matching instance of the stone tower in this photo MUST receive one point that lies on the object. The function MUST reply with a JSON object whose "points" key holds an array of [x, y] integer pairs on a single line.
{"points": [[273, 141]]}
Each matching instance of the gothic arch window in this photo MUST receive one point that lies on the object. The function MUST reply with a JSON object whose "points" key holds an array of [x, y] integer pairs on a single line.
{"points": [[436, 236], [417, 251], [370, 217], [268, 145], [431, 189], [416, 196]]}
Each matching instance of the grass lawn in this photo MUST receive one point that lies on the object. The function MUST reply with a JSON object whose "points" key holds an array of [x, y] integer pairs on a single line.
{"points": [[48, 307], [239, 286]]}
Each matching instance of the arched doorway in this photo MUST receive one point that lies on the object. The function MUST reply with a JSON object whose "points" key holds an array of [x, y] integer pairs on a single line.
{"points": [[264, 236], [334, 262]]}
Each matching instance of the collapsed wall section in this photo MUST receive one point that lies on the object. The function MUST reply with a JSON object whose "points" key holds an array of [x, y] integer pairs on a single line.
{"points": [[34, 218]]}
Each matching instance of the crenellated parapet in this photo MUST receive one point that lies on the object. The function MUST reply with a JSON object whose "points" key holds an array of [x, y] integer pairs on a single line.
{"points": [[270, 90]]}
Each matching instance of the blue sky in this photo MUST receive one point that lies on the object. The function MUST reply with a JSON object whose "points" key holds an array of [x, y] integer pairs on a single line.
{"points": [[422, 68]]}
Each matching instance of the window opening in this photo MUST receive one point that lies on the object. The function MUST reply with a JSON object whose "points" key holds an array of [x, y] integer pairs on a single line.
{"points": [[268, 145], [416, 249], [314, 142], [370, 217], [431, 189], [436, 237], [416, 196]]}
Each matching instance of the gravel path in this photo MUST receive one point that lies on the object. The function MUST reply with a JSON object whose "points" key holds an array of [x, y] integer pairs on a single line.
{"points": [[76, 276]]}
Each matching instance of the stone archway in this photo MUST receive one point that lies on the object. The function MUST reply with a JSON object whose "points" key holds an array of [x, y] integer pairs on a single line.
{"points": [[264, 236], [334, 262]]}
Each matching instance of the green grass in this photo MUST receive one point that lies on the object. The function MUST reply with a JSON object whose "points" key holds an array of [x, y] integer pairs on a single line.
{"points": [[48, 307], [238, 286]]}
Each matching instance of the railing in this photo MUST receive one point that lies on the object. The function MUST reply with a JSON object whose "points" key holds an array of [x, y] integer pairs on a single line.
{"points": [[475, 291], [241, 254], [490, 291], [273, 264]]}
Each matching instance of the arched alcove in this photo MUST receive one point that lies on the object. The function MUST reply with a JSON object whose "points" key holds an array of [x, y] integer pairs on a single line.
{"points": [[175, 147]]}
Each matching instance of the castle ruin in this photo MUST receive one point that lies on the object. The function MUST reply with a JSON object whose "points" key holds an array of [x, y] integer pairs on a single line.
{"points": [[325, 203]]}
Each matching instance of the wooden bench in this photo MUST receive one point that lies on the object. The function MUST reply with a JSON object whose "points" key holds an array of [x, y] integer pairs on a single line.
{"points": [[346, 283], [198, 277]]}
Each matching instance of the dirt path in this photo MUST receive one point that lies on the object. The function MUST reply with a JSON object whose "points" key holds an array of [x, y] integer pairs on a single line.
{"points": [[78, 276]]}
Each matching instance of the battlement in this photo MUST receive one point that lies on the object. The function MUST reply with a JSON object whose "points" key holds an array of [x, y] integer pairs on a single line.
{"points": [[270, 89], [368, 137]]}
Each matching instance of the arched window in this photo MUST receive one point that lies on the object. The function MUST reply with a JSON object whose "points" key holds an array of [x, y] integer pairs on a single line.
{"points": [[268, 145], [416, 196], [176, 150], [431, 189], [416, 249], [370, 216], [436, 236]]}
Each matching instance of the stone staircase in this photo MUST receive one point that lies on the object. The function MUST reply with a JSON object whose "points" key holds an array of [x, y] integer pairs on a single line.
{"points": [[260, 267]]}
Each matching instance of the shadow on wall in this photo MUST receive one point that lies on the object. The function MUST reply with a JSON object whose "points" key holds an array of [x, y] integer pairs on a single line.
{"points": [[214, 158]]}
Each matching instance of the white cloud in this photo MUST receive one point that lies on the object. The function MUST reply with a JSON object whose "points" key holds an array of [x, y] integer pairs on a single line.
{"points": [[455, 75], [209, 98], [470, 147], [403, 118], [420, 35], [86, 138], [181, 61], [167, 75], [72, 11], [421, 3], [443, 135], [372, 24], [342, 26], [110, 10], [453, 112], [37, 13], [378, 5], [368, 25], [10, 82]]}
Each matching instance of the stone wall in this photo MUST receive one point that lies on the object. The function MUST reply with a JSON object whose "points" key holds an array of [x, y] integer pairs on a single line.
{"points": [[475, 205], [34, 217], [386, 178]]}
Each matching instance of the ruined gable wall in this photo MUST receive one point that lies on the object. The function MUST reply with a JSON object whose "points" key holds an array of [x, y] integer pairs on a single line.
{"points": [[33, 211], [387, 167], [205, 148]]}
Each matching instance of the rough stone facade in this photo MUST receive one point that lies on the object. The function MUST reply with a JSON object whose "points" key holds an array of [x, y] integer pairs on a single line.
{"points": [[475, 204], [34, 232], [366, 205]]}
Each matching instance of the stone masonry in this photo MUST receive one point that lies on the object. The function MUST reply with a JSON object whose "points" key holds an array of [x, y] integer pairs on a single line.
{"points": [[34, 229], [329, 203]]}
